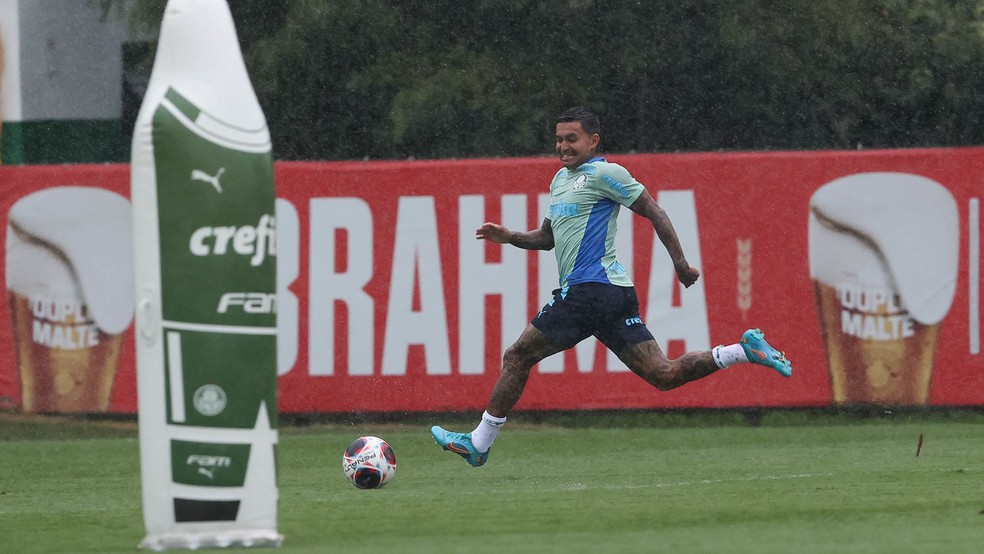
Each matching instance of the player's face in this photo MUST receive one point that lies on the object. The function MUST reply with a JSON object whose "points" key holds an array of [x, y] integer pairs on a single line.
{"points": [[574, 146]]}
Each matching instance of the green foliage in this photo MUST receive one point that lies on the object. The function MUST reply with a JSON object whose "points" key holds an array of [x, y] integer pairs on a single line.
{"points": [[349, 79]]}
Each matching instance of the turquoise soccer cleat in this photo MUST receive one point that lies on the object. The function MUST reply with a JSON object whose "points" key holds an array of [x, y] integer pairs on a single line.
{"points": [[760, 352], [460, 444]]}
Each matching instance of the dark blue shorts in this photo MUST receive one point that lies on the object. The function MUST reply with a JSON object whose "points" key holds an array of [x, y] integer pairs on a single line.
{"points": [[608, 312]]}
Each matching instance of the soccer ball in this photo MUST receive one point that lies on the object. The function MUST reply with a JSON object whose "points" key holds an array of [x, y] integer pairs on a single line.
{"points": [[369, 463]]}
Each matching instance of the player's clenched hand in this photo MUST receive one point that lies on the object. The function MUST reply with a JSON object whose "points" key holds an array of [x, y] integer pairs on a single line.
{"points": [[687, 275], [493, 232]]}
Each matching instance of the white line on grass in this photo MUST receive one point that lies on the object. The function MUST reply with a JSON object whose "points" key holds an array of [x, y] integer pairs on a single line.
{"points": [[581, 486]]}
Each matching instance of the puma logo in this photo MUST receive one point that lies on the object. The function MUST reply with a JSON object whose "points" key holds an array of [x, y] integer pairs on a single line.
{"points": [[210, 473], [199, 175]]}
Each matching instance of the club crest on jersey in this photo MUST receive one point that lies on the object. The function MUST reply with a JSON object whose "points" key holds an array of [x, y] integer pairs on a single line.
{"points": [[579, 182]]}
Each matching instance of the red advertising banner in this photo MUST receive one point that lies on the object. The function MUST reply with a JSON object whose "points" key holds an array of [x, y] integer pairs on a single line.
{"points": [[864, 267]]}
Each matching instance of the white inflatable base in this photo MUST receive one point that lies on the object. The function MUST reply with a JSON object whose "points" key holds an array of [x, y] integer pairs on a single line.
{"points": [[253, 538]]}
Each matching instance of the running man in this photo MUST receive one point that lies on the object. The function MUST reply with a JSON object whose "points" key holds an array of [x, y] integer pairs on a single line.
{"points": [[596, 297]]}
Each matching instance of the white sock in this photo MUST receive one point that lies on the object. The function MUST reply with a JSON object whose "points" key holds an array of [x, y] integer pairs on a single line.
{"points": [[484, 435], [728, 355]]}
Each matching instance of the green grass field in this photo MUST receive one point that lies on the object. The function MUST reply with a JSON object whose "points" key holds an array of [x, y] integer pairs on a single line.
{"points": [[642, 483]]}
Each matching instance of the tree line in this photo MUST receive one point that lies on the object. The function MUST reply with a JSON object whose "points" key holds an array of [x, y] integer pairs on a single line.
{"points": [[384, 79]]}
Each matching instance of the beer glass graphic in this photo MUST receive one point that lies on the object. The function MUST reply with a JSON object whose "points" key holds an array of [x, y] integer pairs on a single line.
{"points": [[883, 251], [70, 289]]}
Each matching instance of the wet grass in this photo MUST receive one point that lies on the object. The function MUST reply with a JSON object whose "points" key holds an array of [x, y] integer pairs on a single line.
{"points": [[800, 482]]}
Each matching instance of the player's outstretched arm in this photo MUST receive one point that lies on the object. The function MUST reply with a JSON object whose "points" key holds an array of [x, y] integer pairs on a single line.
{"points": [[537, 239], [647, 207]]}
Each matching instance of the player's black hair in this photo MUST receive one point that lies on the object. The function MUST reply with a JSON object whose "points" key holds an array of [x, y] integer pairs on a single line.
{"points": [[589, 121]]}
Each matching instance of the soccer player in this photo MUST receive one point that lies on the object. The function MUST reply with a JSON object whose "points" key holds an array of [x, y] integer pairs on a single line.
{"points": [[595, 297]]}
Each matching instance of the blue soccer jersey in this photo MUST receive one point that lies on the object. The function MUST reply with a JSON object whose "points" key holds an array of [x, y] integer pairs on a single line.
{"points": [[584, 205]]}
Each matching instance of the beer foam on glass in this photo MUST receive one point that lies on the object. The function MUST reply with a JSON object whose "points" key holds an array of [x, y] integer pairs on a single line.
{"points": [[69, 281], [883, 251]]}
